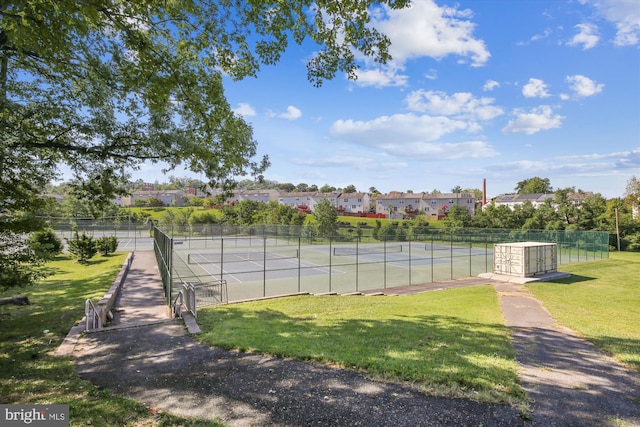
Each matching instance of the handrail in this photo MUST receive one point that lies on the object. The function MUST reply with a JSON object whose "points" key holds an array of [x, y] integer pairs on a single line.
{"points": [[91, 322], [180, 297]]}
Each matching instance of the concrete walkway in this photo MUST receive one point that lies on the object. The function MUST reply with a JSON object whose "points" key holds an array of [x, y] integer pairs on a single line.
{"points": [[141, 300], [570, 382]]}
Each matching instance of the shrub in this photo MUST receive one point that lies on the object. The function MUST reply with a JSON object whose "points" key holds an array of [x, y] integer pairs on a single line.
{"points": [[45, 244], [107, 245], [82, 247], [19, 265]]}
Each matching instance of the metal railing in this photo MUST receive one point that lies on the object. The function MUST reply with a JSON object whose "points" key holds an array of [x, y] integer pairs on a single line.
{"points": [[92, 316], [194, 295]]}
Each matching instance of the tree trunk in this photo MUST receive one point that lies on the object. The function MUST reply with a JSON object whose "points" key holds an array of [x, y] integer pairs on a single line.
{"points": [[17, 300]]}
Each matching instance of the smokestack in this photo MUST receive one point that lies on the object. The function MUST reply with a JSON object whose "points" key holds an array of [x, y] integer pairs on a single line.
{"points": [[484, 191]]}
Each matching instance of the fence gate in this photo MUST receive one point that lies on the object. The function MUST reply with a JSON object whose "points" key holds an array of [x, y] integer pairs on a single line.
{"points": [[196, 295]]}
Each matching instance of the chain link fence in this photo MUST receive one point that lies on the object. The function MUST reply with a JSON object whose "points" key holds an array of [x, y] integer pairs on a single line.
{"points": [[269, 260]]}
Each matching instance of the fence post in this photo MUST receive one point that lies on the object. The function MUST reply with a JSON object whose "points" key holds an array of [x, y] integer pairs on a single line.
{"points": [[330, 259], [299, 257], [357, 264], [264, 263]]}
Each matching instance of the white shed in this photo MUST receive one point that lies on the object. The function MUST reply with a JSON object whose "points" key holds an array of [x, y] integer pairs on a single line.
{"points": [[525, 259]]}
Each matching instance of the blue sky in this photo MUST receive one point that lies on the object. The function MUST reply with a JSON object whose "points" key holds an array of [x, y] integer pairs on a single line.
{"points": [[496, 89]]}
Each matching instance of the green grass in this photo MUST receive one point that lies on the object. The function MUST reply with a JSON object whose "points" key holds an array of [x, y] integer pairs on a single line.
{"points": [[450, 343], [29, 335], [601, 301]]}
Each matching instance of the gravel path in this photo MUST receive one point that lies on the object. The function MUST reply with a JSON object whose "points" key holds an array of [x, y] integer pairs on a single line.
{"points": [[570, 382]]}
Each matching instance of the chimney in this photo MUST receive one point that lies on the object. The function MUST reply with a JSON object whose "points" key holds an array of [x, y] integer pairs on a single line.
{"points": [[484, 191]]}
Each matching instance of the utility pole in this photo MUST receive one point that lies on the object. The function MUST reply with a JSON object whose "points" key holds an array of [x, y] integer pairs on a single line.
{"points": [[617, 229]]}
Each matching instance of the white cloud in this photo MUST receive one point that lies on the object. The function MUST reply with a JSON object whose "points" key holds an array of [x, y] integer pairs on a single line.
{"points": [[385, 76], [336, 161], [547, 32], [587, 36], [425, 30], [433, 151], [536, 88], [533, 121], [619, 159], [590, 165], [292, 113], [460, 105], [411, 136], [397, 128], [490, 85], [244, 110], [431, 74], [625, 15], [583, 86]]}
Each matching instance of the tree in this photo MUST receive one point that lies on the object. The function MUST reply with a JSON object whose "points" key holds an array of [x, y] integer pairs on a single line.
{"points": [[327, 189], [82, 247], [349, 189], [534, 185], [456, 189], [45, 243], [154, 202], [107, 244], [326, 218], [105, 86], [302, 187], [477, 193], [287, 187], [632, 193], [457, 216]]}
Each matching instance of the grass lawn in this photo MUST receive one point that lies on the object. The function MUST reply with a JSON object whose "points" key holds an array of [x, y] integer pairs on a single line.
{"points": [[601, 301], [30, 374], [448, 343]]}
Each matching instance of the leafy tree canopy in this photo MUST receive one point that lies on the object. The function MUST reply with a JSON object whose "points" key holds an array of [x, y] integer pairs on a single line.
{"points": [[534, 185], [326, 218], [105, 85], [632, 191]]}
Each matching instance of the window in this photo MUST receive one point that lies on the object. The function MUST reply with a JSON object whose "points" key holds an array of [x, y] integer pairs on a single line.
{"points": [[360, 200], [434, 202], [345, 200], [354, 207]]}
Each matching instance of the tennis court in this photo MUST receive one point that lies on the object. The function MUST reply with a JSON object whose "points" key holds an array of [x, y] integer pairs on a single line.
{"points": [[256, 266]]}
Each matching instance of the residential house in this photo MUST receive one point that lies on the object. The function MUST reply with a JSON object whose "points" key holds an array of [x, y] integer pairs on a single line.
{"points": [[167, 197], [307, 201], [353, 203], [437, 205], [318, 197], [262, 196], [536, 199], [397, 205], [298, 200]]}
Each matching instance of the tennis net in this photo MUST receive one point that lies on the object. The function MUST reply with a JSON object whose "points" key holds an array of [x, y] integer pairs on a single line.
{"points": [[363, 250], [253, 256]]}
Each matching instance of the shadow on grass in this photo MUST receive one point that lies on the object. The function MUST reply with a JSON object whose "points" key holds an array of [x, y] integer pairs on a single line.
{"points": [[244, 388], [437, 352], [574, 278]]}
